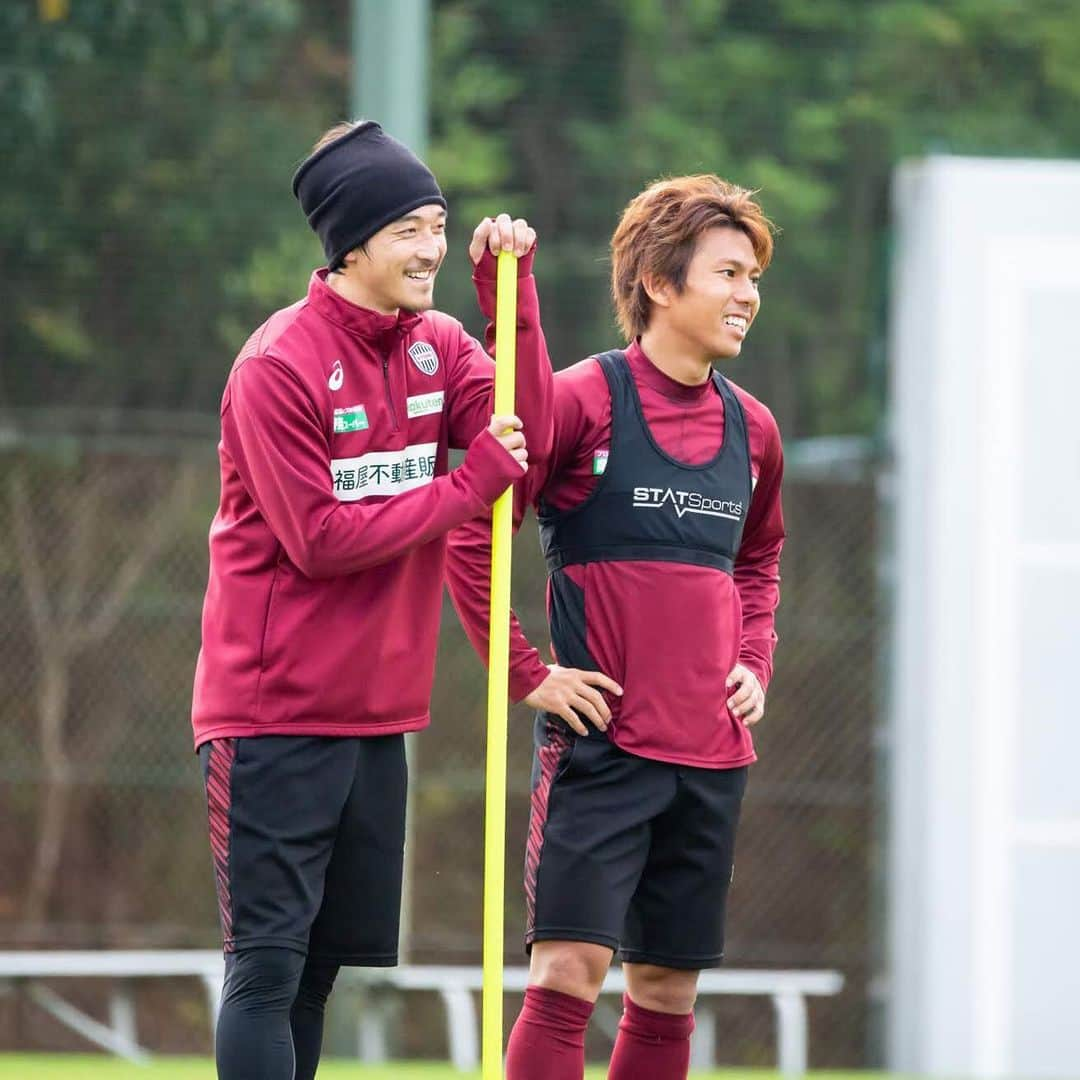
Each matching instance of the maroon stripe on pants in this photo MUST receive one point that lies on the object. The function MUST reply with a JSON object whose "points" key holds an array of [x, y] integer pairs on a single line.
{"points": [[219, 804], [549, 755]]}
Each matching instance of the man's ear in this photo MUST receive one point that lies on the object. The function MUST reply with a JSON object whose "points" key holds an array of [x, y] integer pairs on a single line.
{"points": [[657, 290], [351, 258]]}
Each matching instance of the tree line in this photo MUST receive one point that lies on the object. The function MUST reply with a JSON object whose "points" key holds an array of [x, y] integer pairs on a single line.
{"points": [[147, 223]]}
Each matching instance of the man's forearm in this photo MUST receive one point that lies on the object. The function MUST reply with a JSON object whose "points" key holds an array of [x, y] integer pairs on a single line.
{"points": [[468, 575]]}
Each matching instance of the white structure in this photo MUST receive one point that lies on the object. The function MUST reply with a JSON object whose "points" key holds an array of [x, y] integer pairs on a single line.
{"points": [[984, 877], [455, 985]]}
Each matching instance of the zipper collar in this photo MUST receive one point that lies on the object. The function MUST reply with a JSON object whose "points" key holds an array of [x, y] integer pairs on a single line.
{"points": [[355, 319]]}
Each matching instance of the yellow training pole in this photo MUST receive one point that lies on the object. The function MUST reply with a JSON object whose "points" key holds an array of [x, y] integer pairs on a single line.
{"points": [[498, 673]]}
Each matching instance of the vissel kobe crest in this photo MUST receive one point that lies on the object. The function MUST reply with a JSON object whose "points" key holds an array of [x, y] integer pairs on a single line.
{"points": [[424, 357]]}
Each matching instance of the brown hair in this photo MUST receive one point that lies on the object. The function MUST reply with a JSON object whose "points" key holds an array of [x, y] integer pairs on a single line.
{"points": [[330, 134], [658, 232]]}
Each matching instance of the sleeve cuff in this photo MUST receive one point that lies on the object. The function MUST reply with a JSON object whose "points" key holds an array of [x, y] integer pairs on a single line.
{"points": [[754, 664], [486, 270], [524, 681], [488, 468]]}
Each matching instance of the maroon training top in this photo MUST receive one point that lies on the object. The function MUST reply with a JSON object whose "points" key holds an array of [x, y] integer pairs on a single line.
{"points": [[642, 623], [327, 552]]}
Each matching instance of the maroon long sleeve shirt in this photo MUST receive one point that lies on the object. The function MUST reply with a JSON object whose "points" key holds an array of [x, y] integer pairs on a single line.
{"points": [[668, 633]]}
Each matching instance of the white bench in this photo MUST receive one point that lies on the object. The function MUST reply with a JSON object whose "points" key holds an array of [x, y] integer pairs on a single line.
{"points": [[123, 965], [455, 985]]}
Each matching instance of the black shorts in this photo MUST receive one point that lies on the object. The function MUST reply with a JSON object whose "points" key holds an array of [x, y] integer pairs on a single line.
{"points": [[307, 835], [628, 852]]}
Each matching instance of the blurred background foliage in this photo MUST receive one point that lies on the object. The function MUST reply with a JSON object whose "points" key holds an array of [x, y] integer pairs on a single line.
{"points": [[147, 222]]}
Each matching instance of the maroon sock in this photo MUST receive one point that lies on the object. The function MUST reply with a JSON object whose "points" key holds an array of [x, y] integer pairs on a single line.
{"points": [[651, 1044], [548, 1039]]}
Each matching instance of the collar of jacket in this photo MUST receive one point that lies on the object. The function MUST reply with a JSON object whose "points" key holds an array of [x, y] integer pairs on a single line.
{"points": [[357, 320]]}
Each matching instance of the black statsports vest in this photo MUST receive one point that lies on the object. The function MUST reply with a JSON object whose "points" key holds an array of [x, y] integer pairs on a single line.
{"points": [[646, 505]]}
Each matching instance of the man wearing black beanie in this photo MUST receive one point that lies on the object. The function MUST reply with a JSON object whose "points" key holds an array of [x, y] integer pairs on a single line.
{"points": [[327, 559]]}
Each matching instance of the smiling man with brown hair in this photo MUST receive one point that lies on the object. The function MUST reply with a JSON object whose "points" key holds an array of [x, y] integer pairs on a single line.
{"points": [[661, 524]]}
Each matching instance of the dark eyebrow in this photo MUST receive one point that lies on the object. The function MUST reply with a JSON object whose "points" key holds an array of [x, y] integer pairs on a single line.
{"points": [[740, 265], [420, 217]]}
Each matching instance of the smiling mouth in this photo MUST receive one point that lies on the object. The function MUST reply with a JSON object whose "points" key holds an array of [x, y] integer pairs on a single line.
{"points": [[422, 276], [736, 322]]}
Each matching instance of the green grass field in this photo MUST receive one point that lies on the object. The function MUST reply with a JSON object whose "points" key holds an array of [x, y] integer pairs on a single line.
{"points": [[69, 1067]]}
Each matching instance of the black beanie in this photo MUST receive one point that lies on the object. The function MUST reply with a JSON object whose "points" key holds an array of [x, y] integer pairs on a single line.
{"points": [[359, 183]]}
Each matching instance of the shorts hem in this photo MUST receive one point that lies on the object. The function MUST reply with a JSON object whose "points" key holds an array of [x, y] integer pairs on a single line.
{"points": [[679, 963], [590, 937], [373, 960], [236, 945]]}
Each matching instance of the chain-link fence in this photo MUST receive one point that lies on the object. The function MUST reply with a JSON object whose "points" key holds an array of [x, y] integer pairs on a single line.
{"points": [[103, 563]]}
